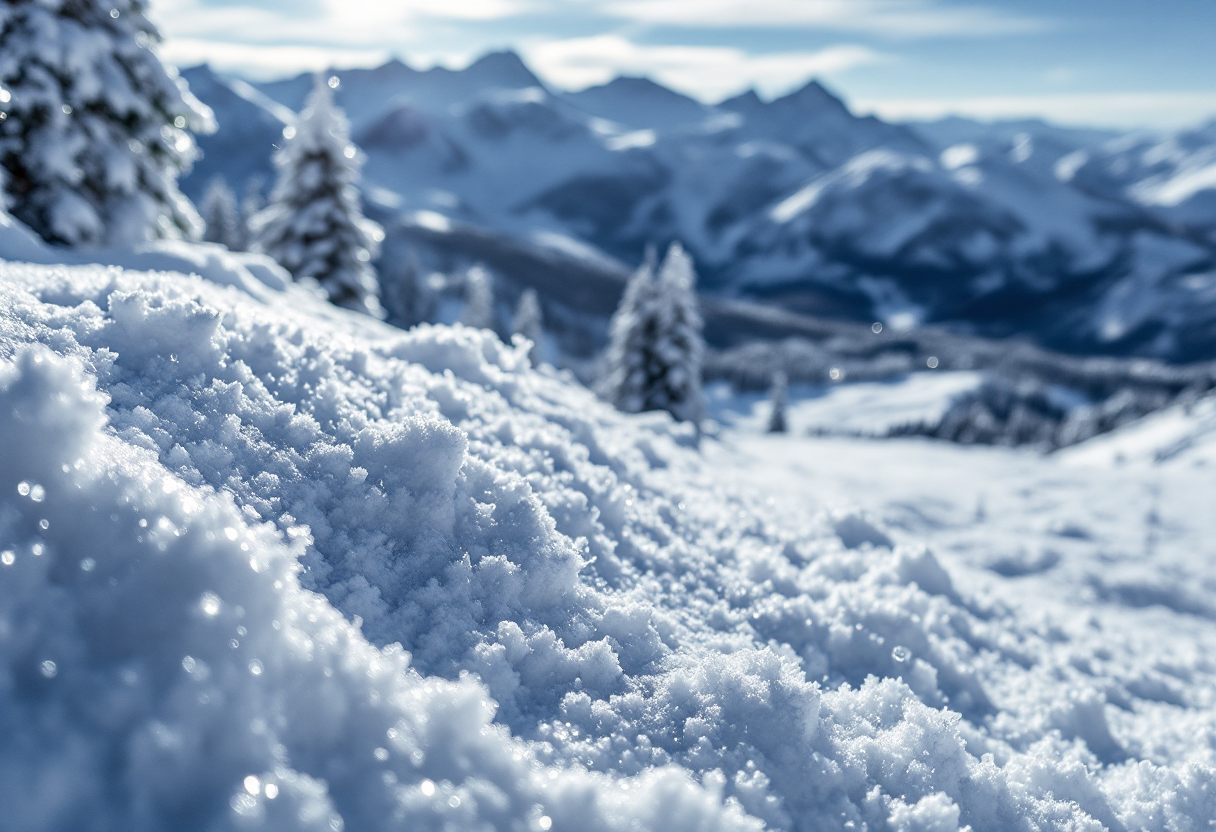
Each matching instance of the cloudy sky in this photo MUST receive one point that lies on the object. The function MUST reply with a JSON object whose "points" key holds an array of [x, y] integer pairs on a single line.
{"points": [[1124, 63]]}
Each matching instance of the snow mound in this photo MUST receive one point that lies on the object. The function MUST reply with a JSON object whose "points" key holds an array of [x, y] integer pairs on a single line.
{"points": [[1182, 434], [270, 568], [250, 272]]}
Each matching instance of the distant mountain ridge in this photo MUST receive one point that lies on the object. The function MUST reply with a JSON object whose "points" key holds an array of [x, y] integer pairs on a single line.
{"points": [[1086, 241]]}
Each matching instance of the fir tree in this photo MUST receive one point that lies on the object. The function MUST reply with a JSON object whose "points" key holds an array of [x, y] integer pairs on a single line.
{"points": [[314, 225], [479, 300], [778, 396], [529, 323], [656, 349], [223, 222], [93, 127], [626, 373], [251, 204], [408, 296], [681, 346]]}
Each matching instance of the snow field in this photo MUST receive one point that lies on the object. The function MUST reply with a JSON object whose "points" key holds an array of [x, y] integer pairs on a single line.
{"points": [[267, 565]]}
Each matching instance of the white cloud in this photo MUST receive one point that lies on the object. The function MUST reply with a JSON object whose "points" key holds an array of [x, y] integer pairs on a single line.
{"points": [[1118, 109], [263, 39], [261, 61], [337, 24], [708, 72], [897, 18], [462, 9]]}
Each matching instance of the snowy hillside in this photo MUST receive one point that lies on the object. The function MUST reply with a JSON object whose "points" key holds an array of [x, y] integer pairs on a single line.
{"points": [[1174, 175], [268, 564], [795, 201]]}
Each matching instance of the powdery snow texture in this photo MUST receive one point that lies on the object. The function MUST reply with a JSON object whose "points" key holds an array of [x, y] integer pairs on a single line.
{"points": [[269, 566]]}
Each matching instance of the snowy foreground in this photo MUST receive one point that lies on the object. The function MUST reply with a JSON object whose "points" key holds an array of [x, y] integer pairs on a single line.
{"points": [[265, 565]]}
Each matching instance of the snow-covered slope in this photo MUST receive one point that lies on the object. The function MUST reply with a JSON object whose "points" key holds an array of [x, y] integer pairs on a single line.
{"points": [[1182, 435], [266, 564], [1173, 175], [242, 150], [1030, 142], [1002, 228]]}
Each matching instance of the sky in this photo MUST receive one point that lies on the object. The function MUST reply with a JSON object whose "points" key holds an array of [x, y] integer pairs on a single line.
{"points": [[1112, 63]]}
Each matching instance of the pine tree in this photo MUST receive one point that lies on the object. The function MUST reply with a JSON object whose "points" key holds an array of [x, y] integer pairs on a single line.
{"points": [[408, 296], [479, 300], [680, 346], [93, 127], [220, 215], [314, 225], [626, 372], [778, 396], [251, 204], [529, 323], [655, 348]]}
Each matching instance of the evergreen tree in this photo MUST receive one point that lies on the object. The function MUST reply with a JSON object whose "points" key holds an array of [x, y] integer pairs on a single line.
{"points": [[408, 296], [626, 371], [778, 396], [314, 225], [93, 127], [656, 349], [223, 222], [479, 300], [251, 204], [529, 323], [681, 346]]}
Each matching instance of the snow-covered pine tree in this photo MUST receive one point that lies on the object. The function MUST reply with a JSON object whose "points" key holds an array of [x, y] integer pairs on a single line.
{"points": [[93, 127], [680, 346], [778, 396], [221, 216], [408, 296], [479, 300], [655, 346], [626, 373], [314, 225], [251, 204], [529, 322]]}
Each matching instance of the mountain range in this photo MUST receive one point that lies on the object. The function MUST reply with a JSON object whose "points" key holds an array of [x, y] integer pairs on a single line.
{"points": [[1084, 240]]}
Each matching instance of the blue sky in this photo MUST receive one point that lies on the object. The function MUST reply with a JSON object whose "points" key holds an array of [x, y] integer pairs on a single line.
{"points": [[1123, 63]]}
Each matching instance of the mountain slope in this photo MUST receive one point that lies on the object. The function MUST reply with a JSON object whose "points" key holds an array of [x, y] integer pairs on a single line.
{"points": [[242, 148], [799, 203], [639, 103]]}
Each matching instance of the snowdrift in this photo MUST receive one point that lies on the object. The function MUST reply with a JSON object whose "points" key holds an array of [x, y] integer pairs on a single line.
{"points": [[264, 565]]}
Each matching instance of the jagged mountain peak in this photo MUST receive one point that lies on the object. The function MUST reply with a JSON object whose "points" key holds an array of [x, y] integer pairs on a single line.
{"points": [[639, 102], [744, 101], [393, 71], [503, 69], [638, 85], [811, 96]]}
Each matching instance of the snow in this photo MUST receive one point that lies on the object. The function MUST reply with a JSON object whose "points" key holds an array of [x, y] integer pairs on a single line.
{"points": [[269, 564], [433, 221], [959, 155], [859, 409], [638, 138], [1178, 188], [1184, 432], [252, 273]]}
